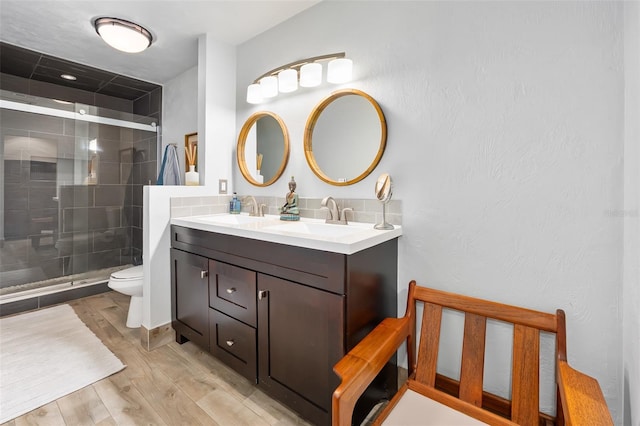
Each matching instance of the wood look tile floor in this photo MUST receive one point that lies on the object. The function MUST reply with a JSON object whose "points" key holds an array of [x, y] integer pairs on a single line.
{"points": [[171, 385]]}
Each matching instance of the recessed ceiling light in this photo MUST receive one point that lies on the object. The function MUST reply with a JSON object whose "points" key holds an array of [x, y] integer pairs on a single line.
{"points": [[123, 35], [68, 77]]}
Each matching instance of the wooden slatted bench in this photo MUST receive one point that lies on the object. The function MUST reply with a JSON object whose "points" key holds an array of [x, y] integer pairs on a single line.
{"points": [[428, 398]]}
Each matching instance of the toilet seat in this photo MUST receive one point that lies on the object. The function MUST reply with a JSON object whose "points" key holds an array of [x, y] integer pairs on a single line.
{"points": [[129, 274]]}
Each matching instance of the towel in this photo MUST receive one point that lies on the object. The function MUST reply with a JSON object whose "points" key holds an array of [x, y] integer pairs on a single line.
{"points": [[170, 169]]}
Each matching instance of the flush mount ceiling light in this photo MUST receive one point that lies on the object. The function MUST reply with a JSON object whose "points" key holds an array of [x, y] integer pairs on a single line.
{"points": [[306, 73], [123, 35], [68, 77]]}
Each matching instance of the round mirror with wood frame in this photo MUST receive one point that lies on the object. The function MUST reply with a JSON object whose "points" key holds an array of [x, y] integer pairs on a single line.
{"points": [[345, 137], [263, 148]]}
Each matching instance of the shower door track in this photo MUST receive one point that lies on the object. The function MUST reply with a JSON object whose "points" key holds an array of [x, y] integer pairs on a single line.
{"points": [[51, 289], [81, 115]]}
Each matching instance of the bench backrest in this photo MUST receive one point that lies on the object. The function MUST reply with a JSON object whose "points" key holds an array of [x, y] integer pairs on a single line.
{"points": [[523, 408]]}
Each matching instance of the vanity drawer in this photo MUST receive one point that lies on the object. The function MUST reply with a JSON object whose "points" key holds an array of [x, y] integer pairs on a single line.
{"points": [[234, 343], [232, 290]]}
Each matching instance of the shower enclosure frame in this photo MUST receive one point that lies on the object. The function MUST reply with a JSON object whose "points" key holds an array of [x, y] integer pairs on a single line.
{"points": [[82, 116]]}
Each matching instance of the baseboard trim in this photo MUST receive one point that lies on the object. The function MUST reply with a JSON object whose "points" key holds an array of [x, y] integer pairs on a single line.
{"points": [[156, 337]]}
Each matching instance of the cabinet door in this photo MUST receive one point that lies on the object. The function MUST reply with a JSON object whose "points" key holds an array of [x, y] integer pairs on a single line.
{"points": [[190, 284], [300, 338]]}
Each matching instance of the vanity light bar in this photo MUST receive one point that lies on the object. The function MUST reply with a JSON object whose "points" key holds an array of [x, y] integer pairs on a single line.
{"points": [[306, 72]]}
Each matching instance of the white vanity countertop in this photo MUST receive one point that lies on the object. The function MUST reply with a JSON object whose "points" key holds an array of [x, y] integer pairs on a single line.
{"points": [[307, 233]]}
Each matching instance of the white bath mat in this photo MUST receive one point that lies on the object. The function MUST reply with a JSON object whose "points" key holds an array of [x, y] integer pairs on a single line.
{"points": [[45, 355]]}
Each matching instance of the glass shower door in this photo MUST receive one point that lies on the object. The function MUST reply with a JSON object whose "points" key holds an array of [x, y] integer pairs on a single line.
{"points": [[71, 192], [31, 144]]}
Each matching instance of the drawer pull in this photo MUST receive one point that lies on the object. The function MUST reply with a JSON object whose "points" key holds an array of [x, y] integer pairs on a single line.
{"points": [[231, 290], [262, 294], [230, 343], [204, 274]]}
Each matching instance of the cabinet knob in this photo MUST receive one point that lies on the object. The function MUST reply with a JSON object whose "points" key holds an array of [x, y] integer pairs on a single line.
{"points": [[262, 294], [230, 342], [231, 290], [204, 274]]}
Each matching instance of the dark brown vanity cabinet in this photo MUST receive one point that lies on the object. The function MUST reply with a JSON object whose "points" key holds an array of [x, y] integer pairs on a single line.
{"points": [[281, 315]]}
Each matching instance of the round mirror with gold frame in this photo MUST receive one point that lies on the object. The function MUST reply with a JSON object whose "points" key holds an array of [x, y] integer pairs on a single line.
{"points": [[345, 137], [263, 148]]}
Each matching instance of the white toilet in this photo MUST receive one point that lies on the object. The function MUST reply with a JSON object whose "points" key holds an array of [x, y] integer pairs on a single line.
{"points": [[129, 281]]}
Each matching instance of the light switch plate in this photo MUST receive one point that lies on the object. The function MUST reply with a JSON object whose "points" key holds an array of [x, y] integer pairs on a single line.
{"points": [[222, 186]]}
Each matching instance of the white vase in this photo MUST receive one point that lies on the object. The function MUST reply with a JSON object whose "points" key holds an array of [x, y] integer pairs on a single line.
{"points": [[192, 178]]}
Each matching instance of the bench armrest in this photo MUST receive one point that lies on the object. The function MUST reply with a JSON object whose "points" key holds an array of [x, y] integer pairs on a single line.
{"points": [[582, 400], [363, 363]]}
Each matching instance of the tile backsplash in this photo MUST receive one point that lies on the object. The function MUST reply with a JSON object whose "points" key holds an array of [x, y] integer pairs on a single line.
{"points": [[197, 206], [364, 210]]}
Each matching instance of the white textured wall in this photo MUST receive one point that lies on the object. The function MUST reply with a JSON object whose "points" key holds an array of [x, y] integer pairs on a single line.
{"points": [[505, 145], [180, 110], [631, 216], [216, 110]]}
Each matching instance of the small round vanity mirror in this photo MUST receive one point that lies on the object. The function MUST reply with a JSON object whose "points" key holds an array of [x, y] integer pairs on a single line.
{"points": [[263, 148], [383, 188], [345, 137]]}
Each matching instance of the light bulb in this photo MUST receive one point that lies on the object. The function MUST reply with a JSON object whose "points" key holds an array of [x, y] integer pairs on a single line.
{"points": [[311, 75], [254, 94], [340, 71], [269, 86], [288, 81]]}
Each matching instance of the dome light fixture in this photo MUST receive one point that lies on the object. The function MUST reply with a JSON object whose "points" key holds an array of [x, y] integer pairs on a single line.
{"points": [[123, 35], [304, 73]]}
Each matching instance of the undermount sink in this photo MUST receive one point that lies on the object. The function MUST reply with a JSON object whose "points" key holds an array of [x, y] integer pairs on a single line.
{"points": [[319, 229], [233, 219]]}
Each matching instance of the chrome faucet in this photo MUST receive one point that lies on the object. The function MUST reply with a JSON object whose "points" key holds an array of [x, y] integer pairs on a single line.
{"points": [[256, 210], [334, 215]]}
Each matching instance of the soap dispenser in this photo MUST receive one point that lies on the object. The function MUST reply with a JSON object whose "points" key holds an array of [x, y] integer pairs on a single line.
{"points": [[234, 204]]}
